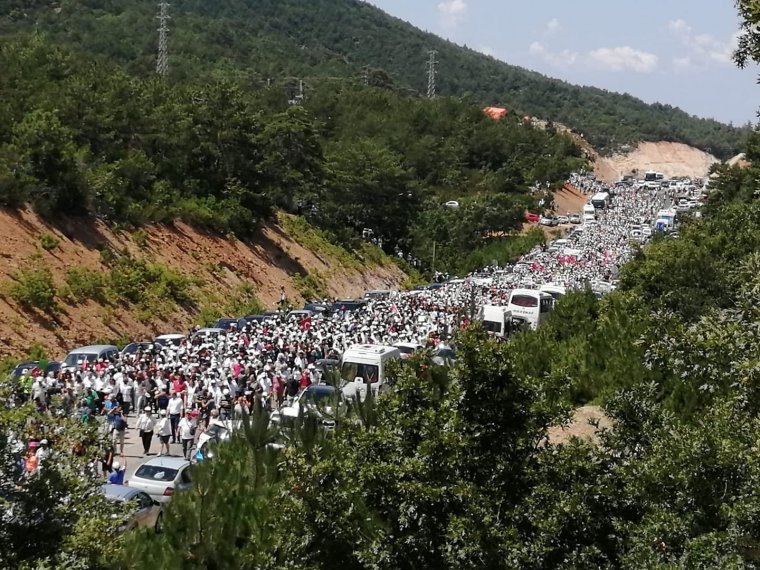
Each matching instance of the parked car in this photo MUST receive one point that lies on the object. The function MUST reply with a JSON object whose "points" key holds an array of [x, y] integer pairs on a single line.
{"points": [[452, 204], [225, 323], [90, 354], [172, 339], [316, 400], [563, 219], [210, 333], [161, 477], [532, 218], [407, 348], [148, 512], [545, 221], [134, 347], [575, 218]]}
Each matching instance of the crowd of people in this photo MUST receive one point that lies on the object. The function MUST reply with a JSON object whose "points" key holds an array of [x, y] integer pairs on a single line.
{"points": [[168, 393]]}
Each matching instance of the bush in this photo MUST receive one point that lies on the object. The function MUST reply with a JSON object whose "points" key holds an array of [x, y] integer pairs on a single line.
{"points": [[310, 286], [152, 286], [49, 242], [83, 284], [140, 238], [34, 289]]}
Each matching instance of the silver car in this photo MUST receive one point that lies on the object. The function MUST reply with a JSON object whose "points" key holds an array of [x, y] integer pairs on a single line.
{"points": [[161, 477], [148, 512]]}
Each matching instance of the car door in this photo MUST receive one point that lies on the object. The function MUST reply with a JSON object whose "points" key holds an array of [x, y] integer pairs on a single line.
{"points": [[144, 516], [184, 480]]}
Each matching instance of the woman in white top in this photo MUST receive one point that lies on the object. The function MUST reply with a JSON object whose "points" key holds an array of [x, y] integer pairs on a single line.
{"points": [[164, 430], [146, 423]]}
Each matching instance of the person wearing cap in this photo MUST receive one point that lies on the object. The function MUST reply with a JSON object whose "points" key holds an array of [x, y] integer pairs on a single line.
{"points": [[164, 430], [186, 432], [111, 409], [116, 476], [145, 425]]}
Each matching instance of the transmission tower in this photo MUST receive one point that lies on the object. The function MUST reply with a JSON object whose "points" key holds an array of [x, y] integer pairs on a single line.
{"points": [[162, 63], [432, 72]]}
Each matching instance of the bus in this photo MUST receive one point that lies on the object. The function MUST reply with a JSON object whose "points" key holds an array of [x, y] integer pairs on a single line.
{"points": [[530, 305], [600, 201]]}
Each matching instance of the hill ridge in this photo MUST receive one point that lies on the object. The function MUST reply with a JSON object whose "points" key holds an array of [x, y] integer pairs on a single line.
{"points": [[281, 40]]}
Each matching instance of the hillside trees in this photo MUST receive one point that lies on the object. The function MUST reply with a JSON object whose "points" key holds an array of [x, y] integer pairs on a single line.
{"points": [[79, 139], [279, 40]]}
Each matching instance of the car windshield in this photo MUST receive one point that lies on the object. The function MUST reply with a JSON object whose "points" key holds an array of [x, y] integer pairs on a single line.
{"points": [[318, 393], [406, 349], [73, 359], [352, 370], [156, 473]]}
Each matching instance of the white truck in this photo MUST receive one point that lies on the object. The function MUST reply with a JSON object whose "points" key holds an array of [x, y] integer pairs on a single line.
{"points": [[497, 320]]}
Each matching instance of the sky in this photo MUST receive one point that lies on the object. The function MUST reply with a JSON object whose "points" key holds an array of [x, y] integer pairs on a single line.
{"points": [[672, 51]]}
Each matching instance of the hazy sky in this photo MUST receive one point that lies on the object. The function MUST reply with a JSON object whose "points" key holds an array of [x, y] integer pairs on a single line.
{"points": [[672, 51]]}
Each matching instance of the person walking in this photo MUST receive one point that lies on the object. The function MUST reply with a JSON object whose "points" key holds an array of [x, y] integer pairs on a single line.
{"points": [[174, 409], [186, 430], [146, 423], [164, 430], [119, 431]]}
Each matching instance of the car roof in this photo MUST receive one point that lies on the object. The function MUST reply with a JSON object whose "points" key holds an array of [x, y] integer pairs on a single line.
{"points": [[168, 462], [93, 348], [121, 492], [209, 330], [170, 335]]}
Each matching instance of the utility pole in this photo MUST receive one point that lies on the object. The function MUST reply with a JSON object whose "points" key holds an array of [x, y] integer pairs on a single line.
{"points": [[162, 62], [432, 268], [432, 72], [365, 75]]}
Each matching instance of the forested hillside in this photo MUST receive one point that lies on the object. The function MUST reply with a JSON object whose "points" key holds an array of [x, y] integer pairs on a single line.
{"points": [[259, 40], [80, 138]]}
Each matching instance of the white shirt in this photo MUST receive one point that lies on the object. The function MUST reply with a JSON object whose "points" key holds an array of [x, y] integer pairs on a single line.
{"points": [[185, 428], [145, 422], [164, 427], [175, 406]]}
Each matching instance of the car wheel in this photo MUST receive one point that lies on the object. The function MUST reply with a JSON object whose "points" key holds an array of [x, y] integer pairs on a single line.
{"points": [[159, 522]]}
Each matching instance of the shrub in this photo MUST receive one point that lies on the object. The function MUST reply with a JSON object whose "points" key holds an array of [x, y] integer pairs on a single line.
{"points": [[310, 286], [140, 238], [34, 289], [244, 302], [49, 242], [83, 284]]}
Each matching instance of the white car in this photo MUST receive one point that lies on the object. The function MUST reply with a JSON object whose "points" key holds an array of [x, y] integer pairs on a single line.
{"points": [[316, 399], [160, 477], [563, 219], [452, 204], [407, 348]]}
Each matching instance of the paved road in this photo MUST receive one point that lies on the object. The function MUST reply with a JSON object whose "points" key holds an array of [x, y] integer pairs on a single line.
{"points": [[133, 449]]}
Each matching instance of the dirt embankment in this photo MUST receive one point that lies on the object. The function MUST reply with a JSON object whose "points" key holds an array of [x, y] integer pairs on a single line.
{"points": [[219, 266], [672, 159]]}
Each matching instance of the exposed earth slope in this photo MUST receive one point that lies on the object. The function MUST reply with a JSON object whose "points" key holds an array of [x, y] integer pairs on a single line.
{"points": [[221, 270]]}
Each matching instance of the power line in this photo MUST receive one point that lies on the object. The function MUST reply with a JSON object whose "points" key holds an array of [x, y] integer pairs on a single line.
{"points": [[432, 73], [162, 62]]}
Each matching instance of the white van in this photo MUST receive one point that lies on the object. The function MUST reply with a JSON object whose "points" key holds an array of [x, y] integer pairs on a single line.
{"points": [[588, 213], [497, 321], [365, 365], [90, 354]]}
